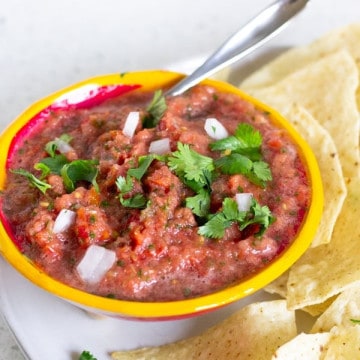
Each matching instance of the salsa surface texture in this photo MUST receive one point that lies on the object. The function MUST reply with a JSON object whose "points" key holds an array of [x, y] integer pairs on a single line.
{"points": [[160, 254]]}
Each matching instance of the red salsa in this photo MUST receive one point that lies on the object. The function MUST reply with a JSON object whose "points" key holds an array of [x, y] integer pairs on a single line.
{"points": [[185, 216]]}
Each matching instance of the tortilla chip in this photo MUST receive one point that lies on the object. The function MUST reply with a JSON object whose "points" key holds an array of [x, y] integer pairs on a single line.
{"points": [[318, 309], [343, 344], [254, 332], [340, 312], [340, 343], [300, 57], [327, 270], [326, 89], [279, 285], [303, 347], [326, 154]]}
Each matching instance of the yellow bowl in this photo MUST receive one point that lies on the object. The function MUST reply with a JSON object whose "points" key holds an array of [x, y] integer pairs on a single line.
{"points": [[87, 92]]}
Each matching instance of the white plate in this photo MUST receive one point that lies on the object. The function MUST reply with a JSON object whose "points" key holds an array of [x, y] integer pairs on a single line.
{"points": [[66, 33], [50, 328]]}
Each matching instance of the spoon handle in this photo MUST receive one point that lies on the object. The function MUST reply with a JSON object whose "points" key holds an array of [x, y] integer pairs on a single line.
{"points": [[255, 33]]}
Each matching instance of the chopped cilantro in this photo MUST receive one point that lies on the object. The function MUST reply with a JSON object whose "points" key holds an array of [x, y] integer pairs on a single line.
{"points": [[246, 140], [193, 168], [258, 215], [155, 110], [200, 203], [144, 163], [52, 164], [355, 321], [79, 170], [242, 155], [86, 355], [52, 146], [234, 164], [125, 185], [217, 224], [258, 172], [39, 184], [215, 227], [58, 164]]}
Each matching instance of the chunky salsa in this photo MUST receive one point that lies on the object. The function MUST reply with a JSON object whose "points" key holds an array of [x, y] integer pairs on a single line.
{"points": [[153, 199]]}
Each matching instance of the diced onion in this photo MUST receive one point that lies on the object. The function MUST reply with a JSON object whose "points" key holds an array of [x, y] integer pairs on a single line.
{"points": [[131, 123], [95, 263], [63, 146], [215, 129], [160, 147], [64, 220], [243, 201]]}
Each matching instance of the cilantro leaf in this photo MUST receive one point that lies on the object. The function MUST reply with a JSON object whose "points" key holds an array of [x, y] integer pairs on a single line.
{"points": [[155, 110], [355, 321], [53, 145], [217, 224], [144, 163], [45, 170], [79, 170], [52, 164], [242, 155], [258, 215], [125, 185], [258, 172], [230, 143], [215, 227], [248, 136], [39, 184], [234, 164], [231, 211], [86, 355], [246, 141], [200, 203], [138, 201], [261, 172], [190, 165]]}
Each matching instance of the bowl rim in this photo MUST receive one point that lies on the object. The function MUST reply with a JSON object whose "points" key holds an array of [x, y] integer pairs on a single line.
{"points": [[151, 80]]}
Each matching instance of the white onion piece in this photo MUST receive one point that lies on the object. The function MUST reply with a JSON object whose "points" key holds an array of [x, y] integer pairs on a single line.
{"points": [[215, 129], [95, 263], [64, 220], [160, 147], [62, 146], [243, 201], [131, 123]]}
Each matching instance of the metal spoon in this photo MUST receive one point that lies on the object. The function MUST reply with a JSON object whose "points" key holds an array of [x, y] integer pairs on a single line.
{"points": [[268, 23]]}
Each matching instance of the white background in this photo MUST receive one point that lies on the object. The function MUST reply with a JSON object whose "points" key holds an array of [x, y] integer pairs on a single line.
{"points": [[46, 45]]}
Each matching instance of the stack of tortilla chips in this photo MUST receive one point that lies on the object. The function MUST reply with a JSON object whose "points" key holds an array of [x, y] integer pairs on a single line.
{"points": [[316, 87]]}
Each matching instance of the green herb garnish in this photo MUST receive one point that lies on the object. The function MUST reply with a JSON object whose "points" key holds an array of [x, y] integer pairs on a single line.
{"points": [[125, 185], [79, 170], [200, 203], [217, 224], [242, 155], [58, 164], [155, 110], [39, 184], [258, 172], [194, 169], [246, 141], [143, 164], [52, 146], [52, 165], [86, 355], [355, 321]]}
